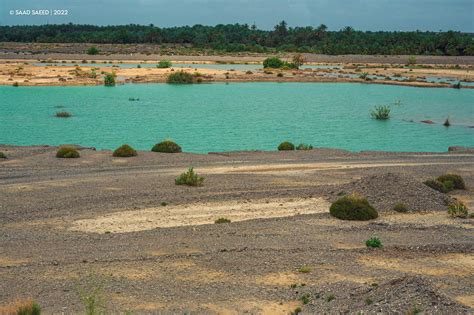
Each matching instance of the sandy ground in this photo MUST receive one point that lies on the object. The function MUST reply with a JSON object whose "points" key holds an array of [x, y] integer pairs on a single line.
{"points": [[26, 74], [66, 51], [67, 224]]}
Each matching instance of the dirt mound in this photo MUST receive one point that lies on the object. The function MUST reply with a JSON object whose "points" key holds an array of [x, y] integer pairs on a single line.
{"points": [[407, 295], [384, 191]]}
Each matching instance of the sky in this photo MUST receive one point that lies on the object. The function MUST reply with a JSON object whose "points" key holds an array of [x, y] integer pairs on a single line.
{"points": [[392, 15]]}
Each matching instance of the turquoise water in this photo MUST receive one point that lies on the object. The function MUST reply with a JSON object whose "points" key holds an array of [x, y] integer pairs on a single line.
{"points": [[238, 116]]}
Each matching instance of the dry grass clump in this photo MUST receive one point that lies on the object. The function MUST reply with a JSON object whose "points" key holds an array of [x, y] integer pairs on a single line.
{"points": [[21, 307]]}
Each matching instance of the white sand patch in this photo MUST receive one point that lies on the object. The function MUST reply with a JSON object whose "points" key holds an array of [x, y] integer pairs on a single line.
{"points": [[198, 214]]}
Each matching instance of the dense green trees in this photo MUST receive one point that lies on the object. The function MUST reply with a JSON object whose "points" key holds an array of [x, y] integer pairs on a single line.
{"points": [[242, 37]]}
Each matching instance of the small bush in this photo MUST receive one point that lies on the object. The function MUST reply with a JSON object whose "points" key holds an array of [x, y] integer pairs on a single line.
{"points": [[411, 60], [373, 242], [166, 146], [458, 210], [109, 79], [189, 178], [304, 269], [353, 207], [286, 146], [330, 297], [67, 153], [21, 307], [273, 62], [304, 147], [400, 207], [458, 181], [296, 311], [381, 112], [222, 220], [124, 151], [2, 155], [456, 85], [162, 64], [163, 203], [305, 298], [93, 51], [180, 77], [63, 114], [280, 75], [15, 84], [436, 185]]}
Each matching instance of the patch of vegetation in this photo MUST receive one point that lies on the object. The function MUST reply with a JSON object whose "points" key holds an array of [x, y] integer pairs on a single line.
{"points": [[303, 147], [437, 185], [447, 123], [330, 297], [67, 152], [456, 85], [286, 146], [166, 146], [21, 307], [92, 294], [305, 298], [2, 155], [189, 178], [280, 75], [373, 242], [273, 62], [162, 64], [458, 209], [400, 207], [222, 220], [457, 180], [411, 60], [381, 112], [368, 301], [296, 311], [124, 151], [63, 114], [15, 84], [109, 79], [93, 51], [304, 269], [180, 77], [353, 207], [163, 203]]}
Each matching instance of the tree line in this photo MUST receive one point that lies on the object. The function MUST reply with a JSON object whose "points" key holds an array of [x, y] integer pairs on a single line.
{"points": [[243, 37]]}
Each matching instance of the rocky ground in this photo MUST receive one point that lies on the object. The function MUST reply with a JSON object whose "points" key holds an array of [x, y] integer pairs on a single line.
{"points": [[120, 229]]}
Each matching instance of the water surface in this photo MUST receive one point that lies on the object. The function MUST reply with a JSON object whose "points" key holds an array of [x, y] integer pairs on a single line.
{"points": [[239, 116]]}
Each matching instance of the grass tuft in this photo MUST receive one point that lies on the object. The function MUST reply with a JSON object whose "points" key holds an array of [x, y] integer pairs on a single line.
{"points": [[189, 178]]}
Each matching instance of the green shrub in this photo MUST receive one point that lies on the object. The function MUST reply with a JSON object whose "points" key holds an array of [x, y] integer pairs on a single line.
{"points": [[28, 307], [2, 155], [164, 64], [373, 242], [63, 114], [273, 62], [189, 178], [411, 60], [297, 311], [456, 85], [109, 79], [67, 153], [436, 185], [400, 207], [305, 298], [330, 297], [124, 151], [304, 269], [93, 51], [180, 77], [303, 147], [280, 75], [353, 207], [286, 146], [381, 112], [458, 181], [166, 146], [458, 209], [222, 220]]}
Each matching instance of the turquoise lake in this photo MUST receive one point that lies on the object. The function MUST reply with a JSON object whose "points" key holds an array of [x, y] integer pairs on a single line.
{"points": [[238, 116]]}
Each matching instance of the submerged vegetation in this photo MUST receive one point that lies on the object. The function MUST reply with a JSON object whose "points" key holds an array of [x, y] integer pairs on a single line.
{"points": [[63, 114], [189, 178], [244, 37], [353, 207], [381, 112]]}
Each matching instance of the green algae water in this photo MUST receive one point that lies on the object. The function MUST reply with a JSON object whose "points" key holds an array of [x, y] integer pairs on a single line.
{"points": [[238, 116]]}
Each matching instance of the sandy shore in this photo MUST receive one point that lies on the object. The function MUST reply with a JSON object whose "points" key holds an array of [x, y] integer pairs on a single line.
{"points": [[25, 73], [155, 246]]}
